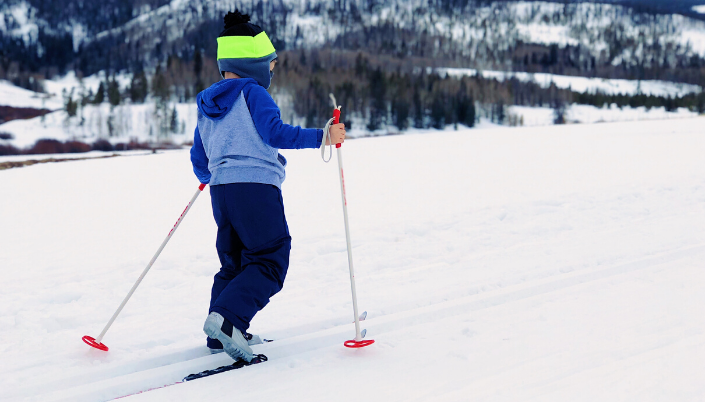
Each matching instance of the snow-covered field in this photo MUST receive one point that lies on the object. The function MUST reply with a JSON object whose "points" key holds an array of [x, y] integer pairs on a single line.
{"points": [[560, 263], [544, 116]]}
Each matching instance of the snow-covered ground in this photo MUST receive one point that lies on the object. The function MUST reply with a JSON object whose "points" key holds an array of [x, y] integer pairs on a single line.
{"points": [[584, 84], [83, 155], [52, 99], [127, 122], [532, 264], [544, 116], [11, 95]]}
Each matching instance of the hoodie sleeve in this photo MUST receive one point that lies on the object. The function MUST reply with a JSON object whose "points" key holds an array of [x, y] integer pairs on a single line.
{"points": [[267, 118], [199, 159]]}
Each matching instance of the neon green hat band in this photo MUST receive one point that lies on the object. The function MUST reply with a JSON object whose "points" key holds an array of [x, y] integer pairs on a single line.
{"points": [[244, 47]]}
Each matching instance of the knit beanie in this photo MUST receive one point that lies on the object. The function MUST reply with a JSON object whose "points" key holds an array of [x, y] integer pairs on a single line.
{"points": [[245, 49]]}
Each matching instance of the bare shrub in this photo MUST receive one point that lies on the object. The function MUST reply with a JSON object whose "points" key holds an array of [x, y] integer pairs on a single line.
{"points": [[102, 145], [76, 147], [46, 146], [131, 146], [9, 150]]}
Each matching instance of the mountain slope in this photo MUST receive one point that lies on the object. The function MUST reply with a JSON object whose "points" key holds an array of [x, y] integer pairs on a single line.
{"points": [[601, 39]]}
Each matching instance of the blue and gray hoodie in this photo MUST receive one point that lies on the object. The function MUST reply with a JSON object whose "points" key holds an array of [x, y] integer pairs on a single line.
{"points": [[239, 134]]}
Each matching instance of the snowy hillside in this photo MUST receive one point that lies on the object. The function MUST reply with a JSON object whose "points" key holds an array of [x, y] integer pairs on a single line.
{"points": [[493, 34], [11, 95], [504, 264], [482, 31], [118, 124], [307, 24], [583, 84]]}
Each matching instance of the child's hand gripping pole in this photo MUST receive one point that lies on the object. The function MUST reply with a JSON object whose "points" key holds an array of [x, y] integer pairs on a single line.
{"points": [[328, 136], [358, 342], [336, 119]]}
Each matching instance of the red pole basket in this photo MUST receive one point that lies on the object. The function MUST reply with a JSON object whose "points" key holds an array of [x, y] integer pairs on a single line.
{"points": [[91, 342], [358, 344]]}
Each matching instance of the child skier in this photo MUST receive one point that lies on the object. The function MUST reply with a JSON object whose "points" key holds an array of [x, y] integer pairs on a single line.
{"points": [[235, 151]]}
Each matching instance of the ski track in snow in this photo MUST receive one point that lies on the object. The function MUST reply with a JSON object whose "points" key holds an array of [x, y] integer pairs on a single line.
{"points": [[496, 264]]}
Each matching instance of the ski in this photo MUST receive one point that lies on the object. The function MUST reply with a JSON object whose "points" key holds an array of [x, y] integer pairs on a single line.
{"points": [[260, 358], [237, 365]]}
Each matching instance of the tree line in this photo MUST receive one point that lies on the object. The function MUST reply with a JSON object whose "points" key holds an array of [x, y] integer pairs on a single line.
{"points": [[377, 92]]}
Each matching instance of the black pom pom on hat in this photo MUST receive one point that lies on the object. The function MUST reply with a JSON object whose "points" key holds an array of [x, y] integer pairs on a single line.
{"points": [[238, 24], [233, 18]]}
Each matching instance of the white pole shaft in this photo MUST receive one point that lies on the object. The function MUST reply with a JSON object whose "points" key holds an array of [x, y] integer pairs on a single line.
{"points": [[134, 287], [358, 336]]}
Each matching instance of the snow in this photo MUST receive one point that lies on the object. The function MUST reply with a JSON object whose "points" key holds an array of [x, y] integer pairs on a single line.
{"points": [[11, 95], [695, 38], [70, 81], [129, 122], [516, 264], [699, 9], [23, 21], [84, 155], [584, 84], [79, 33], [548, 34], [543, 116], [583, 23]]}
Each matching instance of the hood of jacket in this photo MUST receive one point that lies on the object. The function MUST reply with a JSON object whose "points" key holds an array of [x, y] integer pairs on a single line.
{"points": [[215, 101]]}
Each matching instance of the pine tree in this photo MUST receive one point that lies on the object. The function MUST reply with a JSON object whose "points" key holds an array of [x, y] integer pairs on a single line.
{"points": [[197, 63], [113, 92], [99, 95], [174, 121], [401, 108], [465, 106], [197, 69], [400, 113], [438, 111], [71, 106], [418, 108], [160, 89], [378, 105], [559, 111], [499, 112], [138, 87]]}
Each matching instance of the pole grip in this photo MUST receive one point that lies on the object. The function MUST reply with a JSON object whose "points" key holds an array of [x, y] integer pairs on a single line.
{"points": [[336, 120]]}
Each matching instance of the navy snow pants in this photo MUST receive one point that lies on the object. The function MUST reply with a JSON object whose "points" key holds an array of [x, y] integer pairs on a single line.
{"points": [[253, 245]]}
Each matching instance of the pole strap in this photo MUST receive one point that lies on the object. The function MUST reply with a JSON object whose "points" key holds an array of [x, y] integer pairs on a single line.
{"points": [[326, 138]]}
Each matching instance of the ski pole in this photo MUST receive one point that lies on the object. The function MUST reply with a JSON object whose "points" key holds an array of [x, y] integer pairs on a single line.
{"points": [[358, 342], [97, 342]]}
